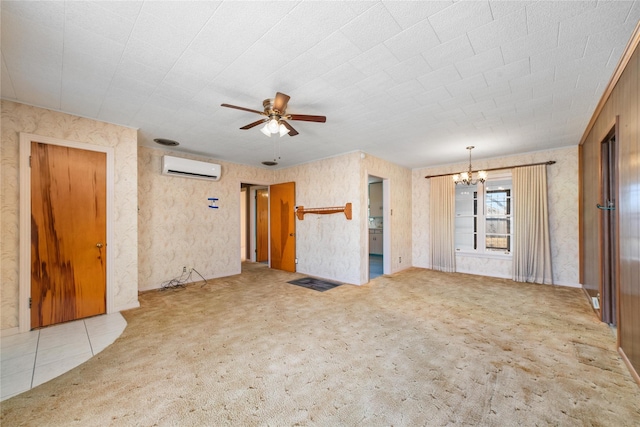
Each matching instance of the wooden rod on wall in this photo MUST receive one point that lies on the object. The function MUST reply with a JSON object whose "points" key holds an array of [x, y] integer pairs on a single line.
{"points": [[301, 210], [550, 162]]}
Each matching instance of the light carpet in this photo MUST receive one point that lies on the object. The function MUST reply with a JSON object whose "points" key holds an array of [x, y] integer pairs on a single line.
{"points": [[414, 348]]}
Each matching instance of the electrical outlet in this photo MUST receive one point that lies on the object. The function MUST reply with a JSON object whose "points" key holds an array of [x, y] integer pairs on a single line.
{"points": [[184, 269], [400, 260], [190, 269], [296, 260]]}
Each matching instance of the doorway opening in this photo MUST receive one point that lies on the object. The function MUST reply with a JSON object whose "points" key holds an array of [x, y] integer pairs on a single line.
{"points": [[376, 219], [608, 229], [254, 223]]}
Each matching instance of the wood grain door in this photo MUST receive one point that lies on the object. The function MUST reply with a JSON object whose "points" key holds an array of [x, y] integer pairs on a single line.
{"points": [[283, 226], [262, 225], [68, 234]]}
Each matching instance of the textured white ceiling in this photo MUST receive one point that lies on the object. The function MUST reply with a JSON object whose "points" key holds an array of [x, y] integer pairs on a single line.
{"points": [[413, 82]]}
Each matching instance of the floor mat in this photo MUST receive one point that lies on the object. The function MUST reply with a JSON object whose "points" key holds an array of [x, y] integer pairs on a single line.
{"points": [[315, 284]]}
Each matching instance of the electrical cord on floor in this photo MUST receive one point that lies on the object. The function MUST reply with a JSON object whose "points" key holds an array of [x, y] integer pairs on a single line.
{"points": [[181, 281]]}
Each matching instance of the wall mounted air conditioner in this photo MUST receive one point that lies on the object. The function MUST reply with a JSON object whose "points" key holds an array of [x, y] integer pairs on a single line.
{"points": [[187, 168]]}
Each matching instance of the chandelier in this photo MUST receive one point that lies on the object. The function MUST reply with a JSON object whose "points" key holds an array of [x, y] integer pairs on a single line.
{"points": [[467, 177]]}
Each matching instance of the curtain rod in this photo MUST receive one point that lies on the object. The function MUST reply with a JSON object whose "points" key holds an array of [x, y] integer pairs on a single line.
{"points": [[550, 162]]}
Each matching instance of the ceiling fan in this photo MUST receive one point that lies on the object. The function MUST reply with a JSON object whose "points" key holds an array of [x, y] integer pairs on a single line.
{"points": [[275, 112]]}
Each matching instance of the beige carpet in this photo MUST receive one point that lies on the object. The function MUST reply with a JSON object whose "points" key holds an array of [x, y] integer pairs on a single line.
{"points": [[415, 348]]}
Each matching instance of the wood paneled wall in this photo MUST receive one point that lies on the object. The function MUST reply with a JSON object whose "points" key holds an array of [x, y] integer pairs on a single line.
{"points": [[622, 103]]}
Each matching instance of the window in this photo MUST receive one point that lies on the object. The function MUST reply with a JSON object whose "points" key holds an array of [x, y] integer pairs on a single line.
{"points": [[484, 222]]}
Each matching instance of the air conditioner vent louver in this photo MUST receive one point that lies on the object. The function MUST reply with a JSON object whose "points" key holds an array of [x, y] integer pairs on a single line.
{"points": [[187, 168]]}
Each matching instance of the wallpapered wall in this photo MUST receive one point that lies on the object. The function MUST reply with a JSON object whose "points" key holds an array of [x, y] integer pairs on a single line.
{"points": [[562, 182], [400, 220], [18, 118], [331, 246], [328, 246], [177, 228]]}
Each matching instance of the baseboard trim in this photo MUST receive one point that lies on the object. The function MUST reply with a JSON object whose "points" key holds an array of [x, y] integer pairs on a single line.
{"points": [[632, 370], [475, 273], [127, 307], [569, 285]]}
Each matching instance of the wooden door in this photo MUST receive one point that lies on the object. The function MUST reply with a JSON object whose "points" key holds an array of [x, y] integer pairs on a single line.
{"points": [[262, 225], [283, 226], [68, 234]]}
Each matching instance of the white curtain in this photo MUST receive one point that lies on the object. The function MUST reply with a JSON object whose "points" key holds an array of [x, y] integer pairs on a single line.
{"points": [[442, 208], [531, 249]]}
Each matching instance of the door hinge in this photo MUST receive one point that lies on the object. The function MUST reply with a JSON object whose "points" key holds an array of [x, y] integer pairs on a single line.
{"points": [[29, 161], [29, 302]]}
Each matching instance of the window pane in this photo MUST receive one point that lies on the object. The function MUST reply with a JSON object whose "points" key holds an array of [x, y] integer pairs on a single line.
{"points": [[498, 242], [466, 200], [466, 242], [498, 225], [466, 233]]}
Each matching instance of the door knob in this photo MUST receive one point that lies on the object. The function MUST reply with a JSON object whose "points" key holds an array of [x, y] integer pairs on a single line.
{"points": [[98, 245]]}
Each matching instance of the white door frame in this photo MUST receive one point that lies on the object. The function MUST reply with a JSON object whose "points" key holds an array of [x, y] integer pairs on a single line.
{"points": [[24, 312]]}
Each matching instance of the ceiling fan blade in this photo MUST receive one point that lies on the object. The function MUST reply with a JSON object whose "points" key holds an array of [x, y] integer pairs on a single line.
{"points": [[307, 118], [292, 131], [242, 108], [280, 103], [254, 124]]}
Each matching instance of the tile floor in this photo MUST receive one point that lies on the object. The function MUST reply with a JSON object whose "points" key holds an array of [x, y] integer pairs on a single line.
{"points": [[375, 266], [32, 358]]}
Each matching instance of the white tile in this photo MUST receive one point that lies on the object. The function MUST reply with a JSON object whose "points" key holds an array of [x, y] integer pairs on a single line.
{"points": [[408, 13], [334, 50], [403, 91], [499, 31], [439, 77], [448, 53], [606, 16], [189, 17], [61, 352], [152, 31], [105, 324], [541, 14], [15, 383], [414, 40], [95, 18], [503, 74], [409, 69], [19, 363], [27, 338], [49, 371], [460, 18], [480, 63], [299, 35], [49, 14], [375, 59], [5, 84], [372, 27], [530, 45], [500, 9], [465, 86], [101, 341]]}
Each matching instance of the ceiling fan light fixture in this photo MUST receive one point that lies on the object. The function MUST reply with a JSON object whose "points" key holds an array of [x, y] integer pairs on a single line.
{"points": [[266, 130], [273, 125], [283, 130]]}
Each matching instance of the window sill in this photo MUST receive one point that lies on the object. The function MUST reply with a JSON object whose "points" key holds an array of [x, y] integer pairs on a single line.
{"points": [[488, 255]]}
